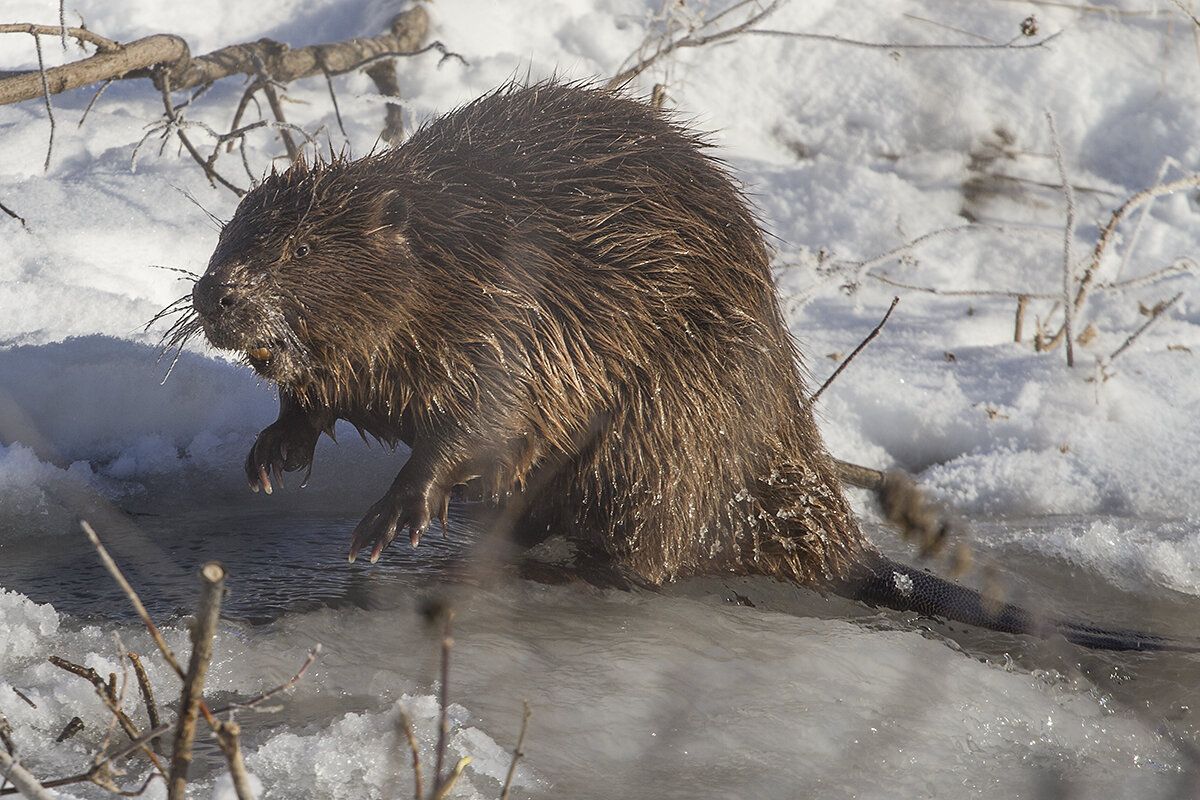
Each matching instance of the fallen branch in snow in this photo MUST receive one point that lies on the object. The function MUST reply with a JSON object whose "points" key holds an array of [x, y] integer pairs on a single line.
{"points": [[13, 214], [165, 59], [114, 61]]}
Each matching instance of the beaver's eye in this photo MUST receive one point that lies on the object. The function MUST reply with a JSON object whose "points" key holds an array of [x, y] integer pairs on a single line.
{"points": [[302, 251]]}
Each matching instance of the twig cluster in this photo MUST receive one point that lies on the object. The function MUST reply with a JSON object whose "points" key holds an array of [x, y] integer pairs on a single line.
{"points": [[167, 62], [191, 708]]}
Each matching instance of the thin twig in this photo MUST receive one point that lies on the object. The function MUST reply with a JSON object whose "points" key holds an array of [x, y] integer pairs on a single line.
{"points": [[166, 726], [1022, 304], [21, 695], [136, 601], [212, 581], [817, 394], [268, 85], [82, 35], [690, 39], [862, 267], [444, 788], [1018, 43], [406, 725], [227, 739], [518, 754], [444, 700], [963, 292], [1129, 205], [46, 95], [13, 214], [1158, 312], [147, 695], [283, 687], [174, 122], [106, 693], [1068, 274]]}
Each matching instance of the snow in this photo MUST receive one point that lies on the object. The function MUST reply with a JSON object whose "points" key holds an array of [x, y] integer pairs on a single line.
{"points": [[849, 153]]}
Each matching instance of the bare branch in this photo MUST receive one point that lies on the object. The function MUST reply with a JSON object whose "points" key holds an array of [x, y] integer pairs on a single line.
{"points": [[1017, 43], [1068, 274], [18, 776], [406, 724], [227, 739], [120, 63], [1154, 315], [1144, 196], [518, 754], [82, 35], [136, 601], [845, 363], [134, 60], [963, 292], [212, 578], [692, 39]]}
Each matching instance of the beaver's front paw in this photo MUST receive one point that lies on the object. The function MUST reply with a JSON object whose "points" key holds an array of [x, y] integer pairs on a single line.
{"points": [[281, 447], [404, 506]]}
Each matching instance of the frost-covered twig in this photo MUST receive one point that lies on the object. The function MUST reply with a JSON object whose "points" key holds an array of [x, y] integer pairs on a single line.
{"points": [[1144, 196], [963, 292], [692, 37], [1017, 43], [1068, 275]]}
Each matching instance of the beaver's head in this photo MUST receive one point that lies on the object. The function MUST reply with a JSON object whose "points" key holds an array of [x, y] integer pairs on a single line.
{"points": [[308, 271]]}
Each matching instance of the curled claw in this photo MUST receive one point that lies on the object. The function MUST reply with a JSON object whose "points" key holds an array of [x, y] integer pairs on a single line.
{"points": [[400, 508], [281, 447], [264, 479]]}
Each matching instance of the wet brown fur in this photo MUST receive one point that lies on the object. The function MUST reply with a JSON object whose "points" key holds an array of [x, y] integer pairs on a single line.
{"points": [[552, 287]]}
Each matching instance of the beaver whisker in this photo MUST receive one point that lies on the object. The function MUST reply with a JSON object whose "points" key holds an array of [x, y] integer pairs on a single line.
{"points": [[187, 273]]}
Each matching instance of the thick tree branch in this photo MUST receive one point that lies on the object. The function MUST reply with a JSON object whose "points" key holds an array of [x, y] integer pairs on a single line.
{"points": [[134, 60]]}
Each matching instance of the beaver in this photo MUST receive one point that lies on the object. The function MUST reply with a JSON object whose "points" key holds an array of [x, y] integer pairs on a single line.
{"points": [[558, 296]]}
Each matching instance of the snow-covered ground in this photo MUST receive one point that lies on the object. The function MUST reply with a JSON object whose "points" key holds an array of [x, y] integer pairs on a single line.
{"points": [[1081, 482]]}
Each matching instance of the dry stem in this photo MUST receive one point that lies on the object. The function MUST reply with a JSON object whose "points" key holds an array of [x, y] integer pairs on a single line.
{"points": [[406, 724], [136, 601], [518, 753], [212, 577], [18, 776], [227, 740], [846, 362], [1068, 275]]}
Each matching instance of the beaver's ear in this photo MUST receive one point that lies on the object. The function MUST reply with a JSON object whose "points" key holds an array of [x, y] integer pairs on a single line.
{"points": [[393, 210]]}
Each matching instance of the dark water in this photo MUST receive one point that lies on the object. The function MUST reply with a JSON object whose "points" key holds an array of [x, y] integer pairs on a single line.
{"points": [[277, 562]]}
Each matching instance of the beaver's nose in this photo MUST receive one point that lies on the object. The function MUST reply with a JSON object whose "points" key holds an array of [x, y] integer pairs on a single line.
{"points": [[212, 298]]}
